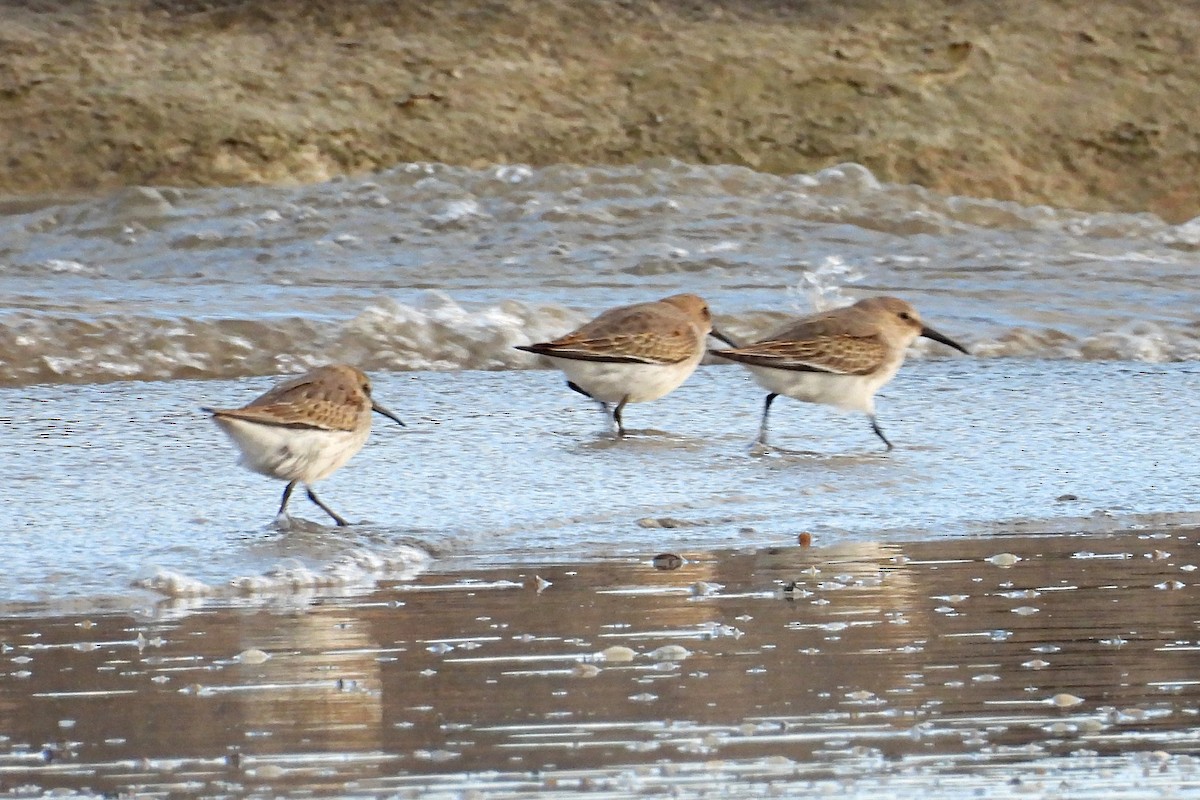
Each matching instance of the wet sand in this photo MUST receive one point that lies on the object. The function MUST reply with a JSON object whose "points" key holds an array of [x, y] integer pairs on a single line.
{"points": [[994, 666], [1073, 103]]}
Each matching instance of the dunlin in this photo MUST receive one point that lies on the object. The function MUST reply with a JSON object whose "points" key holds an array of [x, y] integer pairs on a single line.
{"points": [[838, 358], [633, 354], [304, 429]]}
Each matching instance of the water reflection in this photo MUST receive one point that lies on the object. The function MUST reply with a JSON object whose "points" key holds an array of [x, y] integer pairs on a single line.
{"points": [[972, 660]]}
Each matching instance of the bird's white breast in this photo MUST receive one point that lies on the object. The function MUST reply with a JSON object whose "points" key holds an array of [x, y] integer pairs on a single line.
{"points": [[610, 382], [849, 392], [303, 454]]}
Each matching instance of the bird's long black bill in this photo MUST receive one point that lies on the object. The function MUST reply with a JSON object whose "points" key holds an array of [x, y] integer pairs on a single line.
{"points": [[716, 334], [378, 409], [930, 333]]}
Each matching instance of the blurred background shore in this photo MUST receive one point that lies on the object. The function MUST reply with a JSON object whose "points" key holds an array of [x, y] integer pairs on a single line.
{"points": [[1076, 103]]}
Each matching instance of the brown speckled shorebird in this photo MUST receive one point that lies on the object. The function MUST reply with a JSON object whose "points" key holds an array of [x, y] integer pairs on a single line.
{"points": [[839, 358], [633, 354], [304, 429]]}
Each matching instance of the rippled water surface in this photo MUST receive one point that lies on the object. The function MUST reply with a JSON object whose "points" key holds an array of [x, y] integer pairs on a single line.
{"points": [[137, 486], [144, 580], [1033, 666], [438, 267]]}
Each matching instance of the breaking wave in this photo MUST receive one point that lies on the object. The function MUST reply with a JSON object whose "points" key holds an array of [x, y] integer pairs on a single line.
{"points": [[440, 334], [158, 283], [359, 568], [388, 335]]}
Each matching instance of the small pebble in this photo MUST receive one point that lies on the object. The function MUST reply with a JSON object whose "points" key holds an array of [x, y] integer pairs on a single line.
{"points": [[669, 652], [617, 653], [585, 670], [667, 561], [1064, 700], [252, 656]]}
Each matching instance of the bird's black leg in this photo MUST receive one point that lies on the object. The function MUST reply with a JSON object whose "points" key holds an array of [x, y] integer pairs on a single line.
{"points": [[575, 388], [617, 415], [313, 496], [878, 432], [287, 495], [762, 428]]}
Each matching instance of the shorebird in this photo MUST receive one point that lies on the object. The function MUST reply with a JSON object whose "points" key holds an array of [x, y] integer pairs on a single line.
{"points": [[633, 354], [839, 358], [304, 429]]}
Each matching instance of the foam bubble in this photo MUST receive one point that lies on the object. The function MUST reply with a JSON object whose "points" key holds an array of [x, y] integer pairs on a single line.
{"points": [[171, 583], [356, 568]]}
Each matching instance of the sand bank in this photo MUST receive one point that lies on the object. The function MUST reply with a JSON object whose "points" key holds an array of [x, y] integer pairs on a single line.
{"points": [[1074, 103]]}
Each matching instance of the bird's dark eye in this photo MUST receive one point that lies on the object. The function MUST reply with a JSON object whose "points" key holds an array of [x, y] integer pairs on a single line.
{"points": [[366, 387], [905, 315]]}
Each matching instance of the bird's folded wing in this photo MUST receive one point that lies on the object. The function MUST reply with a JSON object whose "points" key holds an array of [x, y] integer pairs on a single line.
{"points": [[644, 347], [315, 414], [837, 355]]}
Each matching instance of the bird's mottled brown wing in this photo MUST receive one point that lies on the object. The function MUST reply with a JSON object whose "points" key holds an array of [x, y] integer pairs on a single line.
{"points": [[837, 354], [321, 416], [324, 401], [850, 321], [647, 333]]}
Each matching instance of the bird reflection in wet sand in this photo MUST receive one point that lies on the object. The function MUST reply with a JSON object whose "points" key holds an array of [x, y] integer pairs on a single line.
{"points": [[839, 358], [304, 429], [633, 354]]}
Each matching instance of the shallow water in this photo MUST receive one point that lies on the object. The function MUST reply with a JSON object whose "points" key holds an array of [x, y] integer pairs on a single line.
{"points": [[429, 266], [412, 654], [428, 275], [139, 487], [1025, 664]]}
